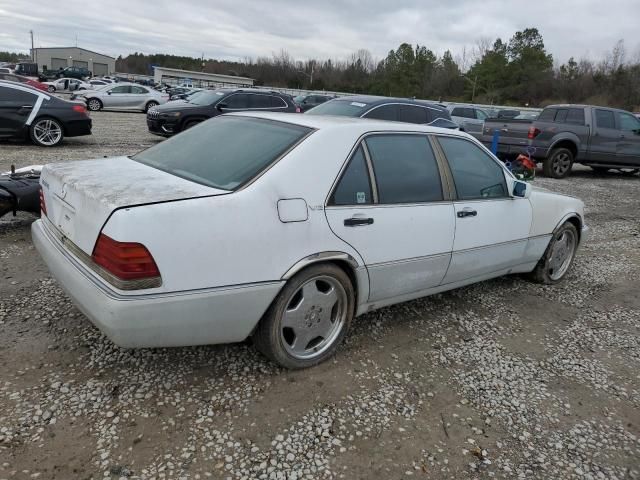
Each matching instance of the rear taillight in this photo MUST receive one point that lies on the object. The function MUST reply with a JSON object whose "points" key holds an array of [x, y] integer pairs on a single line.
{"points": [[80, 109], [533, 132], [298, 110], [43, 205], [124, 260]]}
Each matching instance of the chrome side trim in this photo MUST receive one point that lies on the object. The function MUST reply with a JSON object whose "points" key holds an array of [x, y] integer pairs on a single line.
{"points": [[319, 257]]}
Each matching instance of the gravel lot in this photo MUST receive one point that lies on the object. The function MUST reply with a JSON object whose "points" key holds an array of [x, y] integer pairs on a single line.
{"points": [[504, 379]]}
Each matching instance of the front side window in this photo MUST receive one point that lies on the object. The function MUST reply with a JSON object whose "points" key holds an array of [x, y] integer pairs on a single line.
{"points": [[628, 122], [121, 89], [405, 168], [383, 112], [605, 119], [224, 152], [139, 90], [354, 188], [237, 101], [475, 174]]}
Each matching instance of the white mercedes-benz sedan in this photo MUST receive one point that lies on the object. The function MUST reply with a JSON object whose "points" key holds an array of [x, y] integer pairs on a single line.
{"points": [[284, 227]]}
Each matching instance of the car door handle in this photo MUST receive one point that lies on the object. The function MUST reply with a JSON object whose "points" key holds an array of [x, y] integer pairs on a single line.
{"points": [[357, 221], [26, 107], [467, 212]]}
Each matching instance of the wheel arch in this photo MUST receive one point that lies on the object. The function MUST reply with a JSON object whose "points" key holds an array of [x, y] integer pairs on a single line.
{"points": [[568, 142], [573, 218]]}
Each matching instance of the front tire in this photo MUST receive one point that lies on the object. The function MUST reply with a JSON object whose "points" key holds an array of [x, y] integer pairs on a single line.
{"points": [[308, 319], [557, 259], [558, 164], [46, 132], [51, 89], [94, 104], [150, 105]]}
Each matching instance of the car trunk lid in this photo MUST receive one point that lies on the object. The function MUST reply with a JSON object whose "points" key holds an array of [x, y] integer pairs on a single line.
{"points": [[80, 196]]}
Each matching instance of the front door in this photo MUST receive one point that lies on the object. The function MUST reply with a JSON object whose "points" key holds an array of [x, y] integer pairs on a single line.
{"points": [[492, 227], [389, 206], [16, 107], [117, 97], [628, 152]]}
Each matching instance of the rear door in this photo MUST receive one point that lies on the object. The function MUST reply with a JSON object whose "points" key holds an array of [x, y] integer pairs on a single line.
{"points": [[605, 137], [492, 228], [235, 102], [16, 108], [389, 204], [387, 111], [137, 98], [117, 97], [413, 114], [628, 152]]}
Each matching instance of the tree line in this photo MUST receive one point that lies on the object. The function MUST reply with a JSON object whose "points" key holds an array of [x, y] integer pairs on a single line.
{"points": [[518, 71]]}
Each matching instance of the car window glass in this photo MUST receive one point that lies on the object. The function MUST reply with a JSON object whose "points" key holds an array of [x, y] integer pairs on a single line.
{"points": [[576, 116], [561, 115], [238, 100], [457, 112], [277, 102], [480, 115], [547, 115], [628, 122], [259, 101], [405, 169], [412, 114], [475, 174], [605, 119], [16, 96], [121, 89], [470, 113], [136, 89], [384, 112], [354, 188]]}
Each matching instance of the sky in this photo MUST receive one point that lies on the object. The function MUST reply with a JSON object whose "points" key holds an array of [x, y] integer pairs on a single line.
{"points": [[239, 29]]}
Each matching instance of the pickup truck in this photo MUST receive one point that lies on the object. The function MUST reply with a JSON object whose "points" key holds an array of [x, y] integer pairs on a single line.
{"points": [[602, 138]]}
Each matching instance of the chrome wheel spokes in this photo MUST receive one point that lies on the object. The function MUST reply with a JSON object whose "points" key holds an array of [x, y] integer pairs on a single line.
{"points": [[562, 252], [47, 132]]}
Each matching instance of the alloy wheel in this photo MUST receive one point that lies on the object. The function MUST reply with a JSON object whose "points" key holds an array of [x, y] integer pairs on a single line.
{"points": [[562, 252], [94, 105], [314, 317], [561, 163], [47, 132]]}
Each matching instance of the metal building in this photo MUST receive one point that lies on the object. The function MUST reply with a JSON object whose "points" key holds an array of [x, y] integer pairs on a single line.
{"points": [[61, 57], [175, 76]]}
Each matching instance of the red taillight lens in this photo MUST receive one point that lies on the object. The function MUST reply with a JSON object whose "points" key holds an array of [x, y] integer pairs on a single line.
{"points": [[125, 260], [43, 205], [533, 132], [79, 108], [298, 110]]}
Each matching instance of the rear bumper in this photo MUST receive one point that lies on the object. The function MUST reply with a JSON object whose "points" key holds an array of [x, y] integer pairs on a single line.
{"points": [[197, 317], [77, 128]]}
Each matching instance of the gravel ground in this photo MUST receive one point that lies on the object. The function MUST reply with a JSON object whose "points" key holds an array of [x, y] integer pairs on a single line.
{"points": [[504, 379]]}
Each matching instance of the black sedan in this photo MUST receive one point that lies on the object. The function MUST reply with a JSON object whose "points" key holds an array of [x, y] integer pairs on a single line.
{"points": [[307, 102], [29, 113], [178, 115], [387, 108]]}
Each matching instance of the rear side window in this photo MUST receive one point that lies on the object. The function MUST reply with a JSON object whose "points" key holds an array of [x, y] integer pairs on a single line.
{"points": [[547, 115], [15, 96], [237, 101], [354, 188], [277, 102], [561, 116], [476, 174], [411, 114], [605, 119], [405, 169], [575, 116], [384, 112], [259, 101], [224, 152], [139, 90]]}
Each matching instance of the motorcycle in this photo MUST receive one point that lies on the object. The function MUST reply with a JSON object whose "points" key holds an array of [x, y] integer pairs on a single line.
{"points": [[20, 190]]}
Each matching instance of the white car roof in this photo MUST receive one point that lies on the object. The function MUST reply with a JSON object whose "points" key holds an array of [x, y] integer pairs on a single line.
{"points": [[361, 125]]}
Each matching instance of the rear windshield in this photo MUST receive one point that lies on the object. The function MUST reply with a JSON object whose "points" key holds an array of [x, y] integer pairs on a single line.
{"points": [[224, 152], [345, 108]]}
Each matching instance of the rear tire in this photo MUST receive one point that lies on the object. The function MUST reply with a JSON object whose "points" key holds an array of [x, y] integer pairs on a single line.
{"points": [[558, 164], [51, 89], [558, 257], [309, 318], [94, 104], [46, 132]]}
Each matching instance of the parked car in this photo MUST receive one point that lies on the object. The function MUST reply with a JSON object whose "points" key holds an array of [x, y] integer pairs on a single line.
{"points": [[602, 138], [66, 85], [307, 102], [81, 73], [20, 190], [97, 84], [27, 69], [5, 70], [469, 118], [175, 117], [387, 108], [285, 227], [27, 112], [122, 96], [182, 93], [11, 77]]}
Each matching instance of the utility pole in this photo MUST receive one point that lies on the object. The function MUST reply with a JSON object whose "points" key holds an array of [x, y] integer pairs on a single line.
{"points": [[473, 92], [33, 53]]}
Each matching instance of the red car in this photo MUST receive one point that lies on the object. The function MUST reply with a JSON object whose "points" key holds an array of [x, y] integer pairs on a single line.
{"points": [[12, 77]]}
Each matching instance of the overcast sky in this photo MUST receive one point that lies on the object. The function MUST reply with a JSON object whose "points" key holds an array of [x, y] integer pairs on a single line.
{"points": [[236, 29]]}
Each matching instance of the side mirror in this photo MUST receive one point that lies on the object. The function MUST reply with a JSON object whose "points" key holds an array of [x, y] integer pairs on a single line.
{"points": [[304, 101], [521, 189], [220, 106]]}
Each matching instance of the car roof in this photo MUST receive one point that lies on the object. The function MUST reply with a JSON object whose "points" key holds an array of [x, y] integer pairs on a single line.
{"points": [[358, 125], [373, 100]]}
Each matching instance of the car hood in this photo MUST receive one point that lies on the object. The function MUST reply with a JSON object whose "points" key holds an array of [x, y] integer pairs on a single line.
{"points": [[177, 106]]}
